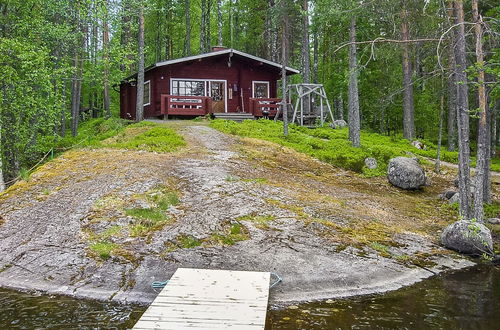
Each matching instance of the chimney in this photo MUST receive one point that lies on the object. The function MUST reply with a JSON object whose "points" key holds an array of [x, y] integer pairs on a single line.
{"points": [[218, 48]]}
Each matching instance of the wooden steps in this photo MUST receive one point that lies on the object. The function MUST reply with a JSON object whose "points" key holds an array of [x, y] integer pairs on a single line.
{"points": [[209, 299], [236, 116]]}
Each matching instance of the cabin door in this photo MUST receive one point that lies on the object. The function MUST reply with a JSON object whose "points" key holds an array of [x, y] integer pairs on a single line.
{"points": [[218, 95]]}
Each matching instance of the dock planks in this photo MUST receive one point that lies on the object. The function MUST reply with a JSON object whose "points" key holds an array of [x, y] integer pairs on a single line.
{"points": [[209, 299]]}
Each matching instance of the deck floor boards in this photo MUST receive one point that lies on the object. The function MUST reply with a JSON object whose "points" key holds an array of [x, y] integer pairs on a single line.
{"points": [[209, 299]]}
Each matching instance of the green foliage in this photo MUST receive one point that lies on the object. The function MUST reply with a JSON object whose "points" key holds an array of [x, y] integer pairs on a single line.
{"points": [[188, 242], [123, 134], [492, 210], [332, 146], [149, 216], [103, 249]]}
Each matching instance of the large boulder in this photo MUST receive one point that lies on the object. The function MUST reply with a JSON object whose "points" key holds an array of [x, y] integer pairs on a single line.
{"points": [[467, 237], [405, 173]]}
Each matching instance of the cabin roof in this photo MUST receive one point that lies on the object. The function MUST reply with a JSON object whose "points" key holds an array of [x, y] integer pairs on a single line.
{"points": [[230, 51], [222, 52]]}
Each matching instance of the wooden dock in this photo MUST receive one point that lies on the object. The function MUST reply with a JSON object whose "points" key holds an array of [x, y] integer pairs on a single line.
{"points": [[209, 299]]}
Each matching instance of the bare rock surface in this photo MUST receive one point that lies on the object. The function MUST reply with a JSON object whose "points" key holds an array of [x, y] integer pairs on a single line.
{"points": [[244, 204]]}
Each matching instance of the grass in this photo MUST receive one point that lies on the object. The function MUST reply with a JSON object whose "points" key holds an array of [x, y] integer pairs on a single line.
{"points": [[233, 233], [332, 146], [123, 134], [103, 249]]}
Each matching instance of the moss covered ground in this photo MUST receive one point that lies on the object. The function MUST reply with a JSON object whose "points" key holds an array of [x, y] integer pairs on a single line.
{"points": [[332, 145]]}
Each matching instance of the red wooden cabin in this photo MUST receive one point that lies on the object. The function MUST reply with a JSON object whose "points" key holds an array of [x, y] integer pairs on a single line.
{"points": [[222, 81]]}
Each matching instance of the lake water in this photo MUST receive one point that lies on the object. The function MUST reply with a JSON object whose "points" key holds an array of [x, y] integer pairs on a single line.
{"points": [[463, 300]]}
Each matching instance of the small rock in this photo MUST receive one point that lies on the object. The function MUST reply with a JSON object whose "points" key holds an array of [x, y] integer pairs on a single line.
{"points": [[338, 124], [467, 237], [371, 163], [405, 173], [448, 194], [419, 145], [494, 221]]}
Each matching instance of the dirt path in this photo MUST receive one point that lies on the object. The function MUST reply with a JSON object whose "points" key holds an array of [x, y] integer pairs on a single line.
{"points": [[244, 205]]}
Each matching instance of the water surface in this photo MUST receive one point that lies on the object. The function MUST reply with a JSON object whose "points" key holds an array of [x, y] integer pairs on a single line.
{"points": [[463, 300]]}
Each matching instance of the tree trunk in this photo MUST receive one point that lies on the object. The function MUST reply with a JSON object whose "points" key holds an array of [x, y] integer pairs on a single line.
{"points": [[63, 111], [482, 142], [284, 60], [126, 32], [75, 94], [306, 67], [187, 41], [315, 57], [139, 109], [105, 46], [219, 23], [306, 60], [341, 107], [202, 26], [208, 41], [462, 113], [440, 134], [408, 107], [487, 179], [353, 115], [452, 87]]}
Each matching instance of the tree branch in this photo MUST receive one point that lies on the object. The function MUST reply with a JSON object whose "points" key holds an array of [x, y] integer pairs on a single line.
{"points": [[380, 39]]}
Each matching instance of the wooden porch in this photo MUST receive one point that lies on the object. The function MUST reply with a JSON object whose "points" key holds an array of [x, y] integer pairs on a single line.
{"points": [[202, 105]]}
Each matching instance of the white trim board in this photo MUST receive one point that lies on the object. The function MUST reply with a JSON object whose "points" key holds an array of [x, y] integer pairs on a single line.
{"points": [[149, 90], [260, 82]]}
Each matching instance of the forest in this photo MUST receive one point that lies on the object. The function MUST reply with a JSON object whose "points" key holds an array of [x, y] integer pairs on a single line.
{"points": [[419, 69]]}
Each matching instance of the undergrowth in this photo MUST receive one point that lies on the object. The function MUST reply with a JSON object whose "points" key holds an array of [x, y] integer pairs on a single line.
{"points": [[123, 134], [333, 146]]}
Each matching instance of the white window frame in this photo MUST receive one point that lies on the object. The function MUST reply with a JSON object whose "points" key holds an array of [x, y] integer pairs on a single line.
{"points": [[208, 91], [149, 96], [260, 82]]}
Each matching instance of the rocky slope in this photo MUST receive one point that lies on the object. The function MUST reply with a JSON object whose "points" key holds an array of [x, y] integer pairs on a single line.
{"points": [[105, 223]]}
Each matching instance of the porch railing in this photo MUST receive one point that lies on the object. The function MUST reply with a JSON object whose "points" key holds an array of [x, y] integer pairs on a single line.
{"points": [[185, 105], [261, 107]]}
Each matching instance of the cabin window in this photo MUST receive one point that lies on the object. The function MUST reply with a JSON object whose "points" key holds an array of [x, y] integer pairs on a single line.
{"points": [[260, 89], [147, 93], [188, 88]]}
